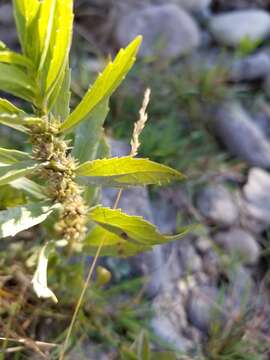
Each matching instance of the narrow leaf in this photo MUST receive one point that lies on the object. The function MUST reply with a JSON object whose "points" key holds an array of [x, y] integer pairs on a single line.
{"points": [[12, 172], [11, 57], [19, 122], [105, 85], [59, 100], [40, 277], [127, 171], [8, 108], [8, 156], [61, 46], [15, 220], [14, 81], [30, 187]]}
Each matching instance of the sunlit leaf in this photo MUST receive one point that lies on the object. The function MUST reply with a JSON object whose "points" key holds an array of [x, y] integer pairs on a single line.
{"points": [[11, 57], [124, 235], [15, 220], [62, 42], [105, 85], [7, 107], [26, 14], [40, 277], [127, 171]]}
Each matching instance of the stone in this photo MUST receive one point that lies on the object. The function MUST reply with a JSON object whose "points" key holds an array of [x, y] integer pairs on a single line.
{"points": [[194, 5], [190, 260], [239, 243], [232, 27], [203, 308], [168, 30], [6, 14], [216, 204], [242, 137], [253, 67], [255, 202]]}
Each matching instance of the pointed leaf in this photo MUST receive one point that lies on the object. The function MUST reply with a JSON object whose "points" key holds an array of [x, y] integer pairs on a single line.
{"points": [[127, 171], [15, 220], [14, 81], [12, 172], [40, 277], [19, 122], [105, 85], [26, 14], [59, 100], [133, 229], [8, 156], [11, 57], [8, 108], [62, 43]]}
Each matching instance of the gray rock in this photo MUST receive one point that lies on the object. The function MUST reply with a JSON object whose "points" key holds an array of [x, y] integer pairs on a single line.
{"points": [[253, 67], [216, 204], [232, 27], [168, 31], [203, 308], [241, 288], [190, 260], [239, 243], [194, 5], [242, 137], [255, 202]]}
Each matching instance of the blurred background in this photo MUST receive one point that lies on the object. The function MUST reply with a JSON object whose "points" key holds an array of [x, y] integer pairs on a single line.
{"points": [[208, 296]]}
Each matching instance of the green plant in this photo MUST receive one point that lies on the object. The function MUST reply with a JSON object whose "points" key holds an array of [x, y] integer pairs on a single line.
{"points": [[67, 163]]}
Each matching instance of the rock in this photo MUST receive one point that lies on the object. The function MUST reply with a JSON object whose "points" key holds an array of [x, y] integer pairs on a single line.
{"points": [[239, 243], [242, 137], [255, 203], [216, 204], [194, 5], [232, 27], [190, 260], [203, 308], [240, 289], [170, 320], [168, 31], [252, 67], [225, 5]]}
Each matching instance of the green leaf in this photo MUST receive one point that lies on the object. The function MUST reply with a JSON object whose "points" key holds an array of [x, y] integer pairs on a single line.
{"points": [[8, 108], [141, 347], [45, 26], [40, 277], [12, 172], [89, 134], [113, 245], [19, 122], [127, 171], [62, 42], [26, 15], [105, 85], [8, 156], [11, 57], [15, 220], [124, 235], [14, 81], [60, 98], [30, 187]]}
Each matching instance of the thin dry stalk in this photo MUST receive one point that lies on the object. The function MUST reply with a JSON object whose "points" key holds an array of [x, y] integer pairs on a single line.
{"points": [[140, 124]]}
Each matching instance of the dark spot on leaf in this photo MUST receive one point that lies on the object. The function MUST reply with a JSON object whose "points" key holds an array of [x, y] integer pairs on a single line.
{"points": [[124, 236]]}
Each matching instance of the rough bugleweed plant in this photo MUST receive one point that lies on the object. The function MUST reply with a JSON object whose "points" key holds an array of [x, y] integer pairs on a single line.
{"points": [[68, 161]]}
